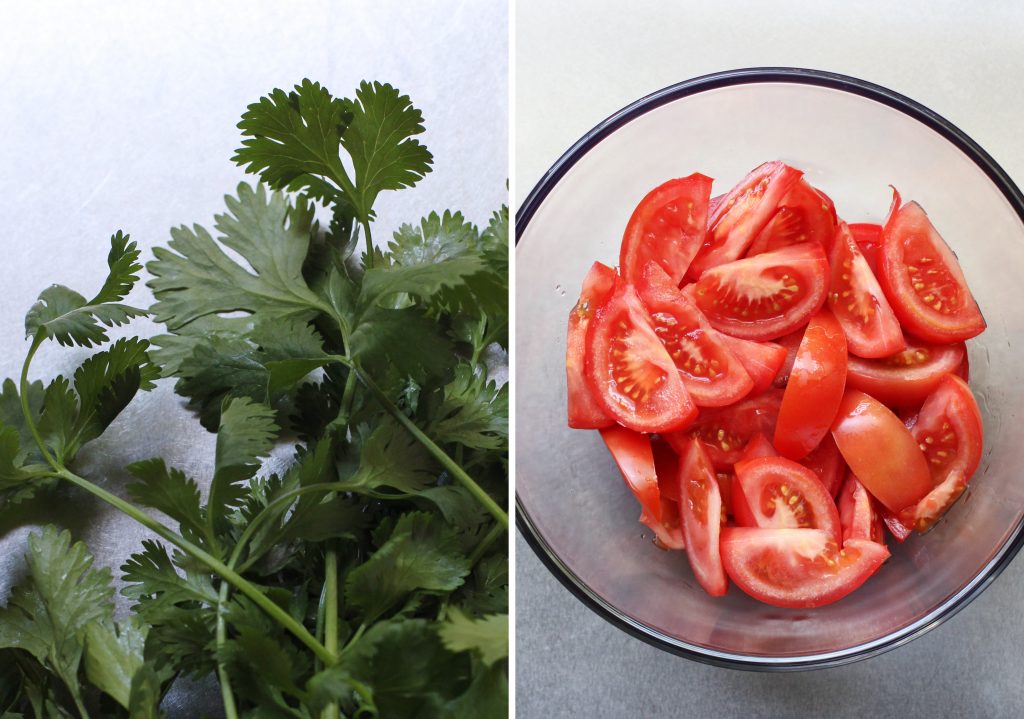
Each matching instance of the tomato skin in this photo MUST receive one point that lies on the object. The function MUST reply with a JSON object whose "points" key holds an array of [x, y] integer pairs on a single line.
{"points": [[805, 214], [899, 531], [922, 279], [781, 493], [701, 508], [765, 296], [741, 511], [880, 450], [585, 412], [797, 568], [858, 302], [909, 376], [629, 370], [742, 214], [712, 374], [868, 237], [790, 343], [727, 430], [815, 388], [761, 360], [668, 533], [857, 512], [668, 227], [758, 447]]}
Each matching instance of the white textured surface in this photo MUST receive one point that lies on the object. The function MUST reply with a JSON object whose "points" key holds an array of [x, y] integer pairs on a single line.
{"points": [[122, 115], [578, 62]]}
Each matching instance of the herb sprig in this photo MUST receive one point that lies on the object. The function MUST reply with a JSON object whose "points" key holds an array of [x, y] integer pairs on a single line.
{"points": [[370, 577]]}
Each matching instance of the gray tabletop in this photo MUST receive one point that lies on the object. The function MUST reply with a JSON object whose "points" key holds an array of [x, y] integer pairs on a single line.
{"points": [[588, 59], [122, 115]]}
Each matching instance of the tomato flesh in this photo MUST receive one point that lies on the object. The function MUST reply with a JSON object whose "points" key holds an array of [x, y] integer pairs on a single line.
{"points": [[906, 378], [726, 431], [797, 568], [701, 507], [922, 279], [766, 296], [858, 302], [881, 451], [857, 512], [711, 373], [805, 214], [585, 411], [781, 493], [790, 343], [761, 360], [815, 388], [630, 371], [667, 227], [868, 237]]}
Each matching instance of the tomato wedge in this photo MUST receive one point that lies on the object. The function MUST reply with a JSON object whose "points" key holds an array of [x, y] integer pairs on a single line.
{"points": [[726, 431], [858, 302], [585, 412], [667, 227], [711, 373], [868, 237], [701, 506], [881, 451], [742, 214], [668, 534], [805, 214], [766, 296], [758, 447], [923, 280], [906, 378], [857, 512], [629, 370], [781, 493], [635, 459], [815, 388], [761, 360], [826, 462], [790, 343], [797, 568]]}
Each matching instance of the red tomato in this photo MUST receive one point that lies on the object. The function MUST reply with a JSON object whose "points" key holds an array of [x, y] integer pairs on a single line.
{"points": [[857, 512], [758, 447], [761, 360], [667, 227], [790, 343], [701, 508], [923, 280], [713, 204], [815, 388], [766, 296], [727, 431], [881, 451], [742, 214], [908, 377], [927, 512], [585, 412], [963, 371], [826, 462], [868, 237], [668, 534], [896, 528], [781, 493], [798, 568], [725, 489], [857, 301], [741, 511], [711, 373], [630, 371], [805, 214], [635, 459]]}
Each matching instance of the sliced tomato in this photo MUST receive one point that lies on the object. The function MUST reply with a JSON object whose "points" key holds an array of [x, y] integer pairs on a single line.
{"points": [[629, 370], [922, 278], [858, 302], [930, 509], [805, 214], [906, 378], [897, 529], [758, 447], [964, 370], [726, 431], [868, 237], [815, 388], [701, 506], [741, 511], [766, 296], [857, 512], [585, 411], [826, 462], [761, 360], [782, 493], [725, 489], [711, 373], [667, 227], [713, 204], [798, 568], [881, 451], [790, 343], [742, 214]]}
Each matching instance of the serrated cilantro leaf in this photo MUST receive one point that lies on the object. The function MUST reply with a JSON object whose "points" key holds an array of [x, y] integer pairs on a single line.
{"points": [[71, 319], [113, 654], [460, 508], [474, 412], [194, 277], [421, 554], [391, 457], [486, 698], [488, 636], [247, 431], [170, 491], [152, 581], [486, 590], [386, 336]]}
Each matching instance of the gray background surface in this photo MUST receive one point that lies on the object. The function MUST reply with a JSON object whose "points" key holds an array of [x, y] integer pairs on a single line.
{"points": [[122, 115], [576, 63]]}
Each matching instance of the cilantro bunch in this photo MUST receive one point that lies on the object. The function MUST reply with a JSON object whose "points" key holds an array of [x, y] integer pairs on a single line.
{"points": [[370, 577]]}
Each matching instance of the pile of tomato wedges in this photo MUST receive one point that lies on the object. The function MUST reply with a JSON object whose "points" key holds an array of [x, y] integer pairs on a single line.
{"points": [[776, 385]]}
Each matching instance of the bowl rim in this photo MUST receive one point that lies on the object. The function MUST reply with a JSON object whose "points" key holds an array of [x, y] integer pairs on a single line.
{"points": [[536, 197]]}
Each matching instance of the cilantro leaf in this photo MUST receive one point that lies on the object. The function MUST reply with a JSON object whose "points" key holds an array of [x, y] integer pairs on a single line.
{"points": [[113, 653], [152, 581], [247, 431], [65, 315], [421, 554], [169, 491], [474, 412], [486, 698], [384, 336], [391, 457], [487, 636]]}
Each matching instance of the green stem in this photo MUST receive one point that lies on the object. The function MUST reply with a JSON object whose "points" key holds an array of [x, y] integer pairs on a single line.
{"points": [[369, 242], [227, 695], [354, 639], [485, 543], [332, 711], [439, 454]]}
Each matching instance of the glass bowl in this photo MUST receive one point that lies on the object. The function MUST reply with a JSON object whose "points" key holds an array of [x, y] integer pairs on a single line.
{"points": [[853, 139]]}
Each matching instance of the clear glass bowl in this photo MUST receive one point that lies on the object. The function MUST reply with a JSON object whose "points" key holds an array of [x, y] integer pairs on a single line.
{"points": [[853, 140]]}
